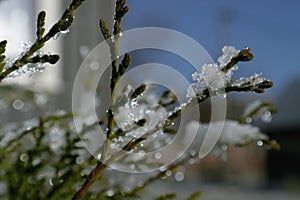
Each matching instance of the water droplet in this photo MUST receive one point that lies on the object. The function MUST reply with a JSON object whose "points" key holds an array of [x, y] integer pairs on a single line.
{"points": [[84, 51], [61, 33], [112, 39], [50, 182], [260, 143], [126, 189], [248, 120], [157, 155], [267, 117], [24, 157], [132, 166], [224, 147], [94, 65], [142, 153], [140, 184], [110, 193], [40, 99], [179, 176], [168, 173], [192, 153], [84, 172], [99, 156], [192, 161], [18, 104], [79, 160], [36, 161], [163, 168], [56, 36]]}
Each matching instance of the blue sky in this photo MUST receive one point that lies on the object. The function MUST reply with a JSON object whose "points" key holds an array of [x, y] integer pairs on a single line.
{"points": [[270, 28]]}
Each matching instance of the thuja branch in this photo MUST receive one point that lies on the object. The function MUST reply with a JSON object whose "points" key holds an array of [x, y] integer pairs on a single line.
{"points": [[50, 119], [258, 88], [117, 70], [243, 55], [135, 142], [200, 97], [61, 25]]}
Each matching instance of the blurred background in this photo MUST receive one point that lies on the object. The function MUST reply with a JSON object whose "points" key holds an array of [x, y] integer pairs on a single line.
{"points": [[270, 28]]}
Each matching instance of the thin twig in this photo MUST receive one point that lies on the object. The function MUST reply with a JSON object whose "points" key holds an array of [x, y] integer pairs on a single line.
{"points": [[62, 24]]}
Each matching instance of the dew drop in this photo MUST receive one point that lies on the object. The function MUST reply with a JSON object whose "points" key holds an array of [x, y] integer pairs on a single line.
{"points": [[112, 39], [267, 117], [163, 168], [192, 161], [24, 157], [56, 36], [179, 176], [224, 147], [259, 143], [169, 173], [157, 155], [142, 153], [84, 51], [132, 166], [36, 161], [110, 193], [50, 182], [61, 33], [18, 104], [192, 153], [94, 65], [140, 184], [79, 160], [248, 120]]}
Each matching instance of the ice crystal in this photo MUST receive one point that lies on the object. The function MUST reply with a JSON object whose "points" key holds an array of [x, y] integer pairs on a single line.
{"points": [[211, 78], [128, 116], [239, 134], [254, 81], [57, 138], [233, 133], [228, 53], [28, 68]]}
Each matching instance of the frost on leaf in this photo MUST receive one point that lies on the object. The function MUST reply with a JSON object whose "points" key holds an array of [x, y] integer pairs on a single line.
{"points": [[213, 77], [28, 68], [253, 81], [240, 134], [228, 53], [210, 78], [139, 115], [233, 133]]}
